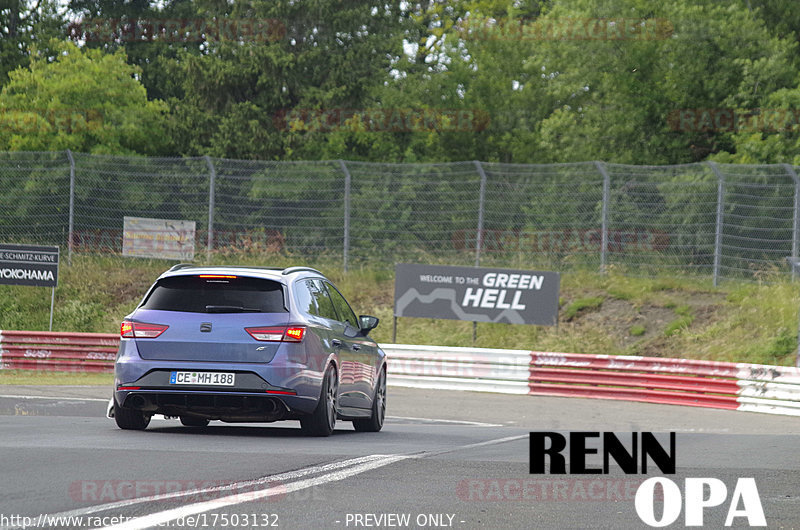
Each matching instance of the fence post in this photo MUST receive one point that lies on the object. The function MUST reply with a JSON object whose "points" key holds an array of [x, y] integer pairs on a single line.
{"points": [[71, 230], [796, 217], [479, 235], [718, 229], [212, 184], [604, 214], [346, 242], [481, 208]]}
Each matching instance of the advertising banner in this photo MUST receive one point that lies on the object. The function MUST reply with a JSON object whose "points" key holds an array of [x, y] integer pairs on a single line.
{"points": [[28, 265], [476, 294], [158, 238]]}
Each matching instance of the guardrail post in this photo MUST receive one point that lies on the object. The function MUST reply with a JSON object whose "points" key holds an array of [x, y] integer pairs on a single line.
{"points": [[604, 214], [796, 217], [795, 241], [797, 356], [71, 230], [719, 225], [212, 184], [346, 241]]}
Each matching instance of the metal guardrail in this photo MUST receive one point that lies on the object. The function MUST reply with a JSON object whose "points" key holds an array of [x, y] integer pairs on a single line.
{"points": [[697, 383], [648, 379], [687, 382], [449, 368]]}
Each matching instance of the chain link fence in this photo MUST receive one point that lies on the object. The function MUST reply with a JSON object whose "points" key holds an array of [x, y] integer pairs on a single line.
{"points": [[708, 220]]}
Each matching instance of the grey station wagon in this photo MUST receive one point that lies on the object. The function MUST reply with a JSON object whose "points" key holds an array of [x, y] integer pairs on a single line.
{"points": [[248, 344]]}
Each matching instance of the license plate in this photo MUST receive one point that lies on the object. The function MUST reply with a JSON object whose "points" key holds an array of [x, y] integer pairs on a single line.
{"points": [[202, 378]]}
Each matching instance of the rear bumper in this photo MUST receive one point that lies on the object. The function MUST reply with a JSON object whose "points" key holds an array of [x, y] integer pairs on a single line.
{"points": [[225, 406], [293, 387]]}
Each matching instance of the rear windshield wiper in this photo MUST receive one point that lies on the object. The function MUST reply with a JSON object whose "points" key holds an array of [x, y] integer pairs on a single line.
{"points": [[231, 309]]}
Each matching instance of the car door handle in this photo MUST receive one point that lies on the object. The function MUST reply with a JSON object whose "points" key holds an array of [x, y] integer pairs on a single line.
{"points": [[336, 342], [356, 347]]}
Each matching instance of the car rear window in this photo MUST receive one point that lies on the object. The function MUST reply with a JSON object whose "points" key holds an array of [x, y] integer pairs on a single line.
{"points": [[218, 294]]}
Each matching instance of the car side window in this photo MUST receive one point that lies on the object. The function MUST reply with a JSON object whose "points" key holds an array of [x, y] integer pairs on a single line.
{"points": [[342, 307], [324, 304], [306, 302]]}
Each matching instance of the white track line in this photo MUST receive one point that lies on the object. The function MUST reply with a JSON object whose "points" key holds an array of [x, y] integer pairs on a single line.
{"points": [[377, 461], [454, 422], [159, 518], [59, 398], [269, 479], [479, 444]]}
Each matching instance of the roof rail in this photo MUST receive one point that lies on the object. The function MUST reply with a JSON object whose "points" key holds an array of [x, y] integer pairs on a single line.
{"points": [[180, 266], [290, 270]]}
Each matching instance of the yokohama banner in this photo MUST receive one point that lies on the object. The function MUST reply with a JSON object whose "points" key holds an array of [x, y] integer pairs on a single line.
{"points": [[28, 265]]}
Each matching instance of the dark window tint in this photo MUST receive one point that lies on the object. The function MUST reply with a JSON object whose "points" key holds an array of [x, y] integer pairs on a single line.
{"points": [[342, 308], [306, 303], [216, 295], [324, 304]]}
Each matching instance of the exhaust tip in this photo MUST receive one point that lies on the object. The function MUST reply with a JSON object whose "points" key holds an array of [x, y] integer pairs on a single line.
{"points": [[137, 402]]}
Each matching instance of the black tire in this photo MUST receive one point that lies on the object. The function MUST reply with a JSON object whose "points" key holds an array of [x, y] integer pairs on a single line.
{"points": [[375, 422], [130, 419], [322, 421], [192, 421]]}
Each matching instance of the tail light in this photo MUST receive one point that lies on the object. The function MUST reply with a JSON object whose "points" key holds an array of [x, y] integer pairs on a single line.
{"points": [[278, 333], [140, 330]]}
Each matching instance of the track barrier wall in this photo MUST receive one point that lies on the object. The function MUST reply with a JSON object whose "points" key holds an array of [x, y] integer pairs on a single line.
{"points": [[696, 383], [687, 382], [58, 351]]}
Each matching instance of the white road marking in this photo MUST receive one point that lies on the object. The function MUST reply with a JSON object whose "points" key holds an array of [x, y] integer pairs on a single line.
{"points": [[480, 444], [372, 462], [269, 479], [57, 398], [436, 420], [162, 517], [697, 429]]}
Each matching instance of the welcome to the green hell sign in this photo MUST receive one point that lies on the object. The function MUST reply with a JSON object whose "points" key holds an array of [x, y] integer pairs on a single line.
{"points": [[476, 294]]}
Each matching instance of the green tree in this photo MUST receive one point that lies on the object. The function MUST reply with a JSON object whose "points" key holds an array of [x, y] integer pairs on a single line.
{"points": [[460, 88], [617, 96], [554, 93], [152, 34], [320, 55], [768, 135], [23, 24], [80, 99]]}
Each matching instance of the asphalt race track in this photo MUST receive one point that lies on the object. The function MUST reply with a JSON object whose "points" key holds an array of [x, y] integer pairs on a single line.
{"points": [[444, 460]]}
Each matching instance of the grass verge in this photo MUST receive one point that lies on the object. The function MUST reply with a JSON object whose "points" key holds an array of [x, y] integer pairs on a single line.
{"points": [[33, 377]]}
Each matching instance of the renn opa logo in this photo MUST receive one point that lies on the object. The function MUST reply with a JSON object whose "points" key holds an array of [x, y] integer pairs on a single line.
{"points": [[745, 502]]}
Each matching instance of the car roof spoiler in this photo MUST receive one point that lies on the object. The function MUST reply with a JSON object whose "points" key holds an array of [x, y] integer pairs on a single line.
{"points": [[290, 270], [284, 271]]}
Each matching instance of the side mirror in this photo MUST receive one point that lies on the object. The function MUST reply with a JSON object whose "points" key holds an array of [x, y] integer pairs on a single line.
{"points": [[368, 323]]}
